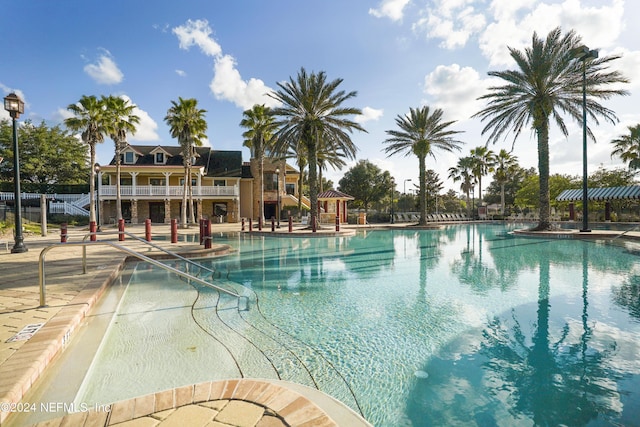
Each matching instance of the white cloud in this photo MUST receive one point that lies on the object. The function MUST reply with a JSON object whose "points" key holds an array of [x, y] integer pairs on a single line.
{"points": [[181, 73], [368, 114], [392, 9], [197, 33], [227, 83], [514, 23], [452, 21], [455, 90], [147, 129], [105, 70]]}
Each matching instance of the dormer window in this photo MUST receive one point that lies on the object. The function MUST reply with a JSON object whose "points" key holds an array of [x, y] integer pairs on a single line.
{"points": [[159, 158], [129, 157]]}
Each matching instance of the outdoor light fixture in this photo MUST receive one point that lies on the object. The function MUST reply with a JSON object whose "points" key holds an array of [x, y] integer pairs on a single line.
{"points": [[96, 169], [14, 105], [583, 53], [404, 191]]}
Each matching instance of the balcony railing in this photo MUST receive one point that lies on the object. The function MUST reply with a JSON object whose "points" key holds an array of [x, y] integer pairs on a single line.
{"points": [[167, 191]]}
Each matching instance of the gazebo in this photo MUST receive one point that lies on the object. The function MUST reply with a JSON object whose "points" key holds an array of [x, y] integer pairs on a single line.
{"points": [[334, 204], [601, 194]]}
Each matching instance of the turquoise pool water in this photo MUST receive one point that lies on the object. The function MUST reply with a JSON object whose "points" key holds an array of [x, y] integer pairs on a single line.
{"points": [[467, 325]]}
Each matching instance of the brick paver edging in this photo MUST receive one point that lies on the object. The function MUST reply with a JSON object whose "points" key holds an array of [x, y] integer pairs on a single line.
{"points": [[276, 401]]}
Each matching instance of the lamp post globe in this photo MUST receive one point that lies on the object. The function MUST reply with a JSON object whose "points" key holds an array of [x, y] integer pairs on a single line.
{"points": [[14, 105]]}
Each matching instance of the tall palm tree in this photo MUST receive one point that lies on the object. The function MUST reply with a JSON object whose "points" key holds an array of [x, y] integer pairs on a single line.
{"points": [[312, 116], [483, 162], [261, 125], [463, 172], [546, 85], [120, 120], [421, 131], [89, 119], [627, 147], [187, 123], [505, 167]]}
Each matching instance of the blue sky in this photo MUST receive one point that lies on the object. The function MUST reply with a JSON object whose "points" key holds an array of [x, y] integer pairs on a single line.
{"points": [[396, 54]]}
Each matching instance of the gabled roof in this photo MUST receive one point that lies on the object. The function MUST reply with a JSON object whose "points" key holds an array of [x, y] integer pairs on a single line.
{"points": [[601, 193], [225, 164], [334, 194]]}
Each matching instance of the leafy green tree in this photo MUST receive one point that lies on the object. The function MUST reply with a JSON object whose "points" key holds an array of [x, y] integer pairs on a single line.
{"points": [[483, 161], [451, 202], [312, 116], [433, 186], [48, 156], [463, 172], [527, 196], [546, 86], [89, 119], [187, 123], [627, 147], [366, 183], [505, 166], [121, 120], [261, 125], [422, 131], [515, 179], [618, 177]]}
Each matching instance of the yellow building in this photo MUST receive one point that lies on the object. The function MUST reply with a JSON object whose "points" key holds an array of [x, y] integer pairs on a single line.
{"points": [[223, 187]]}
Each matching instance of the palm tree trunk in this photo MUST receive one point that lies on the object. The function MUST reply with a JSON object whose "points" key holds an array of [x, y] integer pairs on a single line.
{"points": [[192, 216], [543, 169], [118, 196], [261, 183], [423, 191], [502, 197], [313, 178], [92, 184], [183, 213]]}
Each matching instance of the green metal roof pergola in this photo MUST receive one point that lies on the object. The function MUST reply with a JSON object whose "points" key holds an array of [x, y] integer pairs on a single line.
{"points": [[601, 194]]}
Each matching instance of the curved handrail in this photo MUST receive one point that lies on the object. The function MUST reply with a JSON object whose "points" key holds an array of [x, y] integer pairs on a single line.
{"points": [[140, 239], [43, 253]]}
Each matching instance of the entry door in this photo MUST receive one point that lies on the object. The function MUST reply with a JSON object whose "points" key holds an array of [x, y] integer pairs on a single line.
{"points": [[156, 212]]}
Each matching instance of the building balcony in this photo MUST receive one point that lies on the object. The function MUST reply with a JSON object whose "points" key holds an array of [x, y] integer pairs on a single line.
{"points": [[169, 191]]}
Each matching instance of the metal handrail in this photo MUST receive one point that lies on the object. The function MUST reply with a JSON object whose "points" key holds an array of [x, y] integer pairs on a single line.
{"points": [[41, 269], [140, 239]]}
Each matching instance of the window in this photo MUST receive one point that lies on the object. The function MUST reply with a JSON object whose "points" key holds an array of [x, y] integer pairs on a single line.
{"points": [[126, 180], [157, 181], [194, 182], [270, 181], [160, 158], [128, 157], [291, 188], [219, 182]]}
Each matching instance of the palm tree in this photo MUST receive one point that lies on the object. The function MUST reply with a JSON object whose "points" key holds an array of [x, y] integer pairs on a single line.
{"points": [[483, 162], [548, 83], [187, 124], [258, 137], [463, 172], [120, 120], [420, 132], [505, 167], [312, 117], [627, 147], [88, 119]]}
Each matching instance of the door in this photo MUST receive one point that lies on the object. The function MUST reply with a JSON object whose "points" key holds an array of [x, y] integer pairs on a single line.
{"points": [[156, 212]]}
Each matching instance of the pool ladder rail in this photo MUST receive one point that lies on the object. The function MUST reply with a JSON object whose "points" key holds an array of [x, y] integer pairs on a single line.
{"points": [[84, 243]]}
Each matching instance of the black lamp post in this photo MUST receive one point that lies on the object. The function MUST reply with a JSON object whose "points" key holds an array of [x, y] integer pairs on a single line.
{"points": [[14, 105], [278, 196], [96, 169], [393, 187], [583, 53]]}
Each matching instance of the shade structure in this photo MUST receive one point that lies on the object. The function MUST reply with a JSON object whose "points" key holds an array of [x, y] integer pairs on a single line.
{"points": [[601, 194]]}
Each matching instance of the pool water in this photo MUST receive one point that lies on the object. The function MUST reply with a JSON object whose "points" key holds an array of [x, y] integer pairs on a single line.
{"points": [[466, 325]]}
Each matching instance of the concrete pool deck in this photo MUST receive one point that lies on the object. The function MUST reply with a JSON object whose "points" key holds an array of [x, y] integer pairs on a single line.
{"points": [[70, 297]]}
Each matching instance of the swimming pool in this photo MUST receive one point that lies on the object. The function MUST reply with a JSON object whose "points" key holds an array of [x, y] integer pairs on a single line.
{"points": [[467, 325]]}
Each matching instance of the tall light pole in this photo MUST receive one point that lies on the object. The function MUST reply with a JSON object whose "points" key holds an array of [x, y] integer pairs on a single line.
{"points": [[393, 187], [278, 196], [96, 169], [404, 193], [14, 105], [583, 53]]}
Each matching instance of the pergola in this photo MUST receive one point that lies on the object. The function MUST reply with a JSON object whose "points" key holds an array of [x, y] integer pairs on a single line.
{"points": [[600, 194]]}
